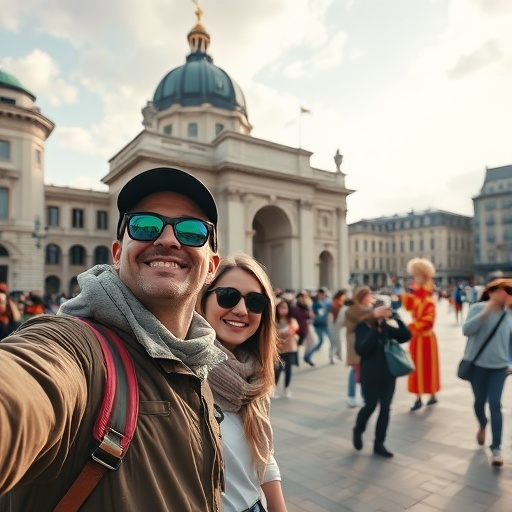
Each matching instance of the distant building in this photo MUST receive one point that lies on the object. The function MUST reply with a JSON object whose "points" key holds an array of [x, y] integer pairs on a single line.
{"points": [[492, 224], [272, 203], [380, 248]]}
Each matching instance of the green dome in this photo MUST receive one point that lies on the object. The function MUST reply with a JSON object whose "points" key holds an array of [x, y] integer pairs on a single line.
{"points": [[199, 81], [10, 82]]}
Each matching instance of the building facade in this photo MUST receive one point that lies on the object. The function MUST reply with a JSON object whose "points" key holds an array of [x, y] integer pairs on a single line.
{"points": [[492, 225], [272, 203], [380, 248]]}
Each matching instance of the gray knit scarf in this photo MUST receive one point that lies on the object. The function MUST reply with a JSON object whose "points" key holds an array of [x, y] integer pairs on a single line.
{"points": [[105, 298]]}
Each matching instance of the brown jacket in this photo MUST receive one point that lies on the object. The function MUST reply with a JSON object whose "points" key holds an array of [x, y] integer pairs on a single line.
{"points": [[354, 314], [46, 422]]}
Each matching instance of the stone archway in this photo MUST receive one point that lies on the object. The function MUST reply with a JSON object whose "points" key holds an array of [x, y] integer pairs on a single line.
{"points": [[326, 270], [272, 245], [52, 285]]}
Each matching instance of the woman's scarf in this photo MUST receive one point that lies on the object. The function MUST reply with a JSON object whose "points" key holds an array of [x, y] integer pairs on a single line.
{"points": [[235, 389], [105, 298]]}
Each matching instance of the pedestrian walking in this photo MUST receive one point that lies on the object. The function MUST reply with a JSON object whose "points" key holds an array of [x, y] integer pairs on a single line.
{"points": [[321, 307], [377, 382], [336, 323], [491, 367], [287, 328], [302, 312], [359, 309]]}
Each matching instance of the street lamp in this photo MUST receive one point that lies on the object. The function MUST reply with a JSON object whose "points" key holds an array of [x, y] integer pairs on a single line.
{"points": [[39, 234]]}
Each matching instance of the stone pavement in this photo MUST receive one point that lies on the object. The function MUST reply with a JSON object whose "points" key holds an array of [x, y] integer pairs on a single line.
{"points": [[437, 465]]}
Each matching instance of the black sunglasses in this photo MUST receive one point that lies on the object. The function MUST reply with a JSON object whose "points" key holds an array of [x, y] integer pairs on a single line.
{"points": [[228, 298], [507, 289], [147, 227]]}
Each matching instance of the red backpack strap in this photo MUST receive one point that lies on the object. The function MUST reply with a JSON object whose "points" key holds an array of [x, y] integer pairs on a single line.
{"points": [[116, 420]]}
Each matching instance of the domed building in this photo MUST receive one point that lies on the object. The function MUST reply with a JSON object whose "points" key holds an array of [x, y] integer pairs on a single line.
{"points": [[23, 132], [272, 204]]}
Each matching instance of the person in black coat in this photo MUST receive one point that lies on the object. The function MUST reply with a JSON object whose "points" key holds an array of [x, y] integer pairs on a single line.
{"points": [[377, 383]]}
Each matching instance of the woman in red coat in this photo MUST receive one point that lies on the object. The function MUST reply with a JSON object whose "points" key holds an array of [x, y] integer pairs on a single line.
{"points": [[423, 347]]}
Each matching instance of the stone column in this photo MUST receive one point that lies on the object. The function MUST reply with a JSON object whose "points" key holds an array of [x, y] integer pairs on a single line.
{"points": [[343, 263], [234, 235], [308, 269]]}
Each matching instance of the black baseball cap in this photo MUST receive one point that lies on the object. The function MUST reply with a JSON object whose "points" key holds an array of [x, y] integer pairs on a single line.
{"points": [[166, 179]]}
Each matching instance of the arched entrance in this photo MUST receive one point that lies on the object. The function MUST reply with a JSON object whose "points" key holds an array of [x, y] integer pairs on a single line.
{"points": [[272, 245], [326, 270], [52, 285]]}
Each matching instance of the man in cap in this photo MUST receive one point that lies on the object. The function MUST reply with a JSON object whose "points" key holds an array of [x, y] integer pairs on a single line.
{"points": [[52, 369], [490, 320]]}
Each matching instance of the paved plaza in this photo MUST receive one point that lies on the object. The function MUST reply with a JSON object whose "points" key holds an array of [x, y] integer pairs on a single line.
{"points": [[437, 465]]}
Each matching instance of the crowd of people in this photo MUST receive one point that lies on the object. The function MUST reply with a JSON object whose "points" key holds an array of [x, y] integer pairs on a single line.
{"points": [[210, 343]]}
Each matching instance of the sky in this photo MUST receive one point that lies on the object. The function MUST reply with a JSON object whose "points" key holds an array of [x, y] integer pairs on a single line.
{"points": [[416, 94]]}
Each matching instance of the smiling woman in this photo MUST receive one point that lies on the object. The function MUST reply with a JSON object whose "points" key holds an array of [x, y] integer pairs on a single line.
{"points": [[239, 305]]}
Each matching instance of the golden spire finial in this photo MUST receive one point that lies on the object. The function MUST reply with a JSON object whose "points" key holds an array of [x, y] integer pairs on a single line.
{"points": [[199, 11]]}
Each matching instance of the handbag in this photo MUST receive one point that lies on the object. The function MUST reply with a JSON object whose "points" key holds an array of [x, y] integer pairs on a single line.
{"points": [[399, 361], [466, 366]]}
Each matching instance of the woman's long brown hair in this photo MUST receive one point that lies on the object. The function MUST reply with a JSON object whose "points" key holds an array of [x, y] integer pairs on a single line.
{"points": [[263, 343]]}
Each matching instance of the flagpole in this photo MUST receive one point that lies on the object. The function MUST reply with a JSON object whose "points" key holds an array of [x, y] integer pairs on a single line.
{"points": [[300, 130]]}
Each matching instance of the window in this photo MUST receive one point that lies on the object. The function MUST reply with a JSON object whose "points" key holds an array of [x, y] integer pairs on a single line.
{"points": [[77, 219], [77, 255], [38, 156], [5, 150], [357, 245], [168, 129], [101, 220], [218, 128], [101, 255], [432, 244], [52, 216], [365, 246], [411, 245], [192, 129], [4, 203], [8, 101], [52, 254], [421, 244]]}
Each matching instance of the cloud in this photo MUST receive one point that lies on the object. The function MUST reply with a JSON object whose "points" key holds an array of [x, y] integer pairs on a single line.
{"points": [[494, 6], [42, 76], [488, 53]]}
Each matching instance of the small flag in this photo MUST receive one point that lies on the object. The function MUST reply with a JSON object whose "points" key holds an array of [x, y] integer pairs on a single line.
{"points": [[305, 110]]}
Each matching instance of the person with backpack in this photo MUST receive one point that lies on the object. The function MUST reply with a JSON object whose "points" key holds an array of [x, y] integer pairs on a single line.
{"points": [[54, 374]]}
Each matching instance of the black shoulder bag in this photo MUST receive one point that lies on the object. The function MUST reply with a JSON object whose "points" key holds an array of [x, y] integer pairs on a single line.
{"points": [[465, 369]]}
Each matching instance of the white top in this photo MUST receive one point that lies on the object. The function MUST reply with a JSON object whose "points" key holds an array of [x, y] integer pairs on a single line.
{"points": [[242, 487]]}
